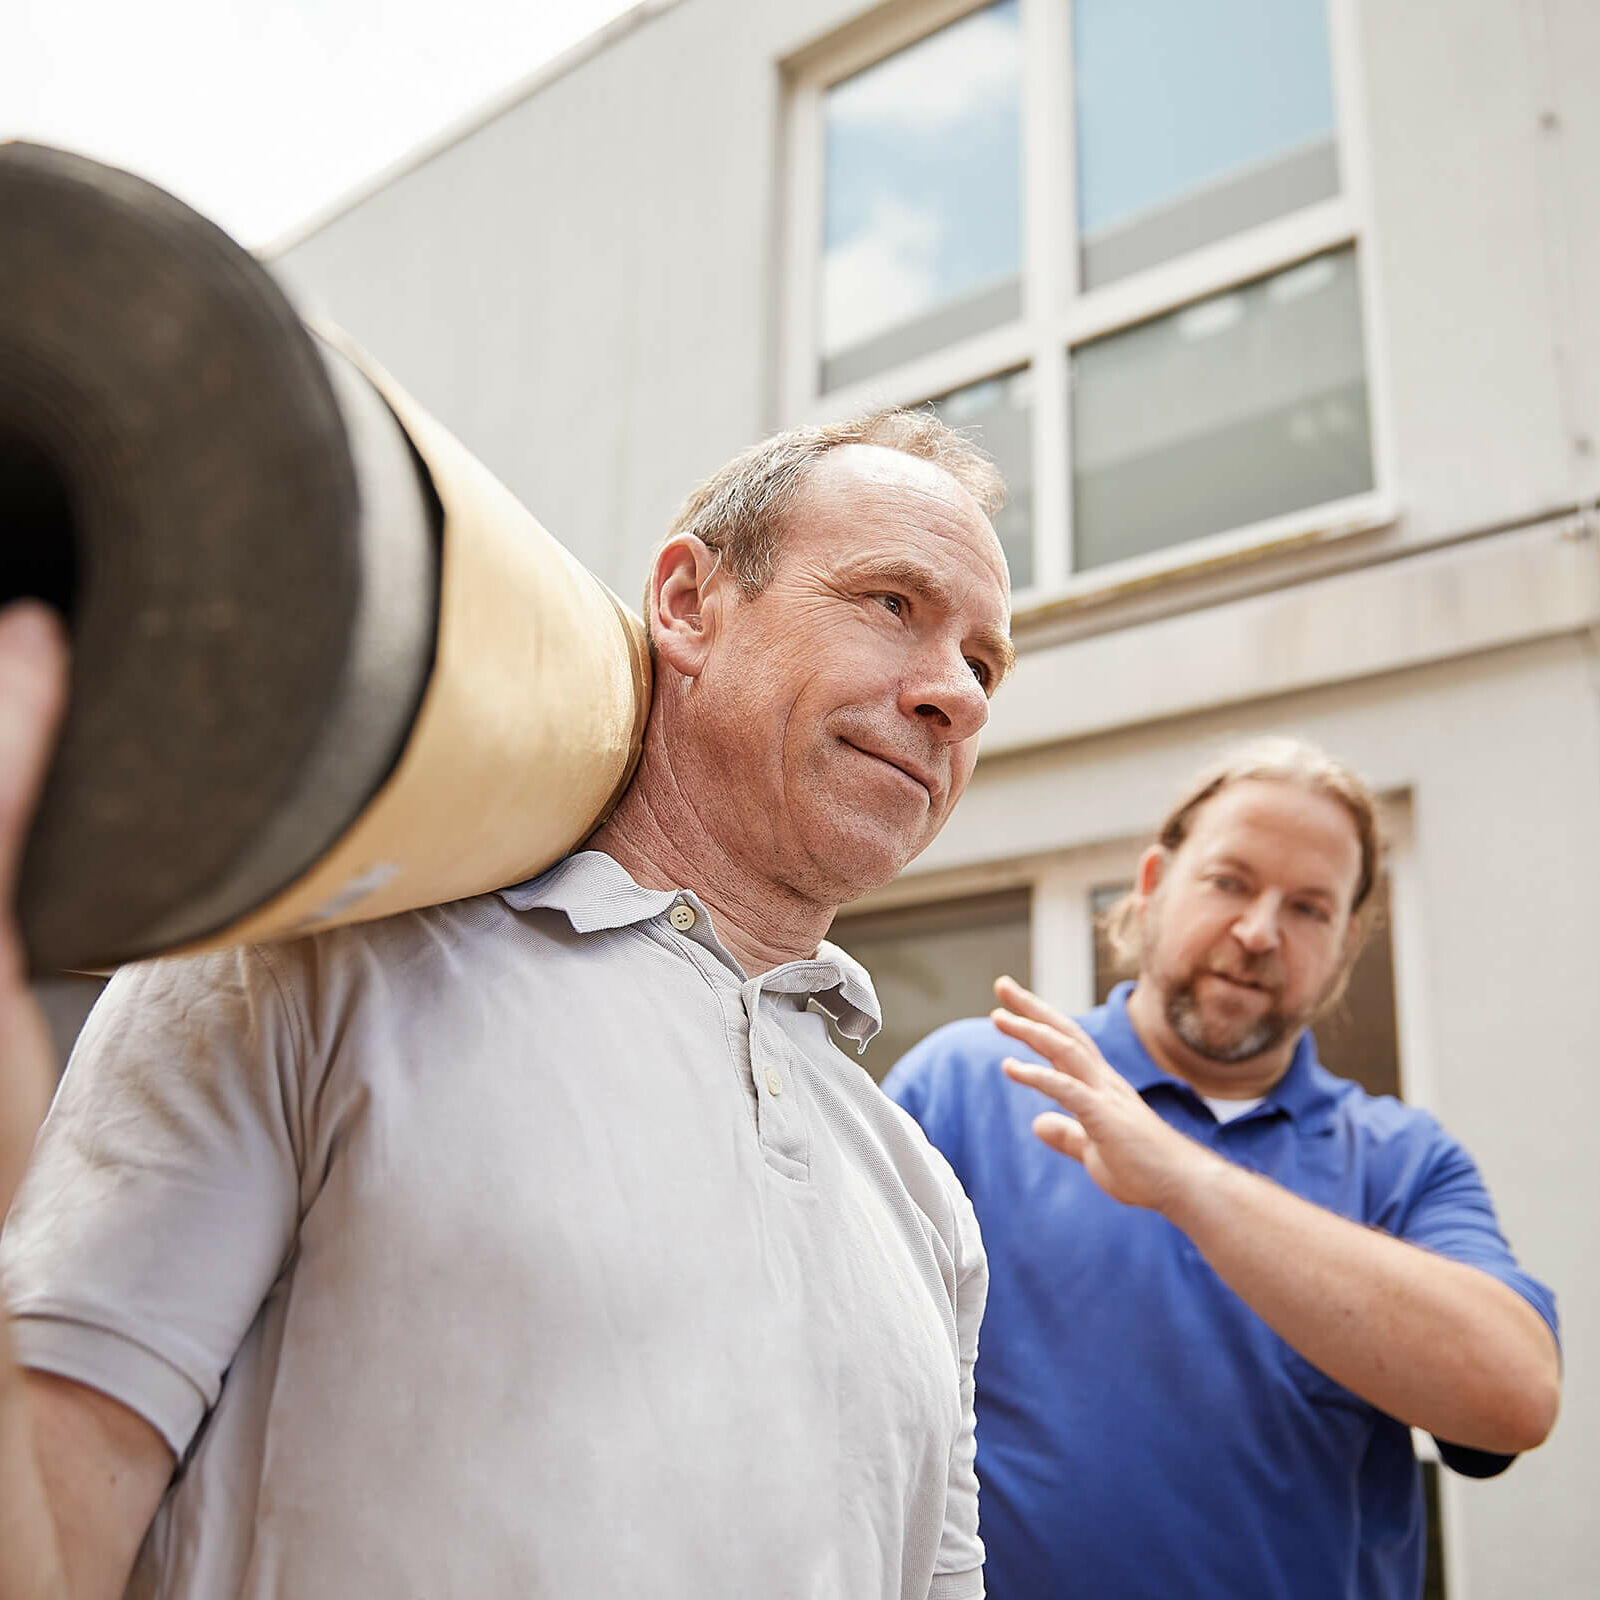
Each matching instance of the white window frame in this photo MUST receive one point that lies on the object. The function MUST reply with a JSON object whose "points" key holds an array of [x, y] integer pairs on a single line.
{"points": [[1054, 317]]}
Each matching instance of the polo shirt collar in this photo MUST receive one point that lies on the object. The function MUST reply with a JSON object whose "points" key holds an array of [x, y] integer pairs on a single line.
{"points": [[594, 891], [1305, 1092], [849, 999]]}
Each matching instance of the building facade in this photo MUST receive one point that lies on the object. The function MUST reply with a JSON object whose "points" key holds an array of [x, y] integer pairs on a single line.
{"points": [[1283, 319]]}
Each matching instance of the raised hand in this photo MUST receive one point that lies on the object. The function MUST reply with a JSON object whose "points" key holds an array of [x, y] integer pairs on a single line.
{"points": [[1124, 1146], [33, 658]]}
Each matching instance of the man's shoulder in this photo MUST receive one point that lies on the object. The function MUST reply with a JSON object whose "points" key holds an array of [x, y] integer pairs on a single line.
{"points": [[426, 936], [1378, 1118], [969, 1048]]}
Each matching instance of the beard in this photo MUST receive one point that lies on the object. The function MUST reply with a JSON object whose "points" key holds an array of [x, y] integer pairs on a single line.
{"points": [[1222, 1041]]}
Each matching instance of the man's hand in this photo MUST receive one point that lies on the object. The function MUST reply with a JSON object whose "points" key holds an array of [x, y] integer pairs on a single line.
{"points": [[33, 683], [1124, 1146], [1438, 1344], [80, 1474]]}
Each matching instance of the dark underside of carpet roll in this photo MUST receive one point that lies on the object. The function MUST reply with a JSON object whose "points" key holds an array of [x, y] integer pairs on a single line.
{"points": [[243, 544]]}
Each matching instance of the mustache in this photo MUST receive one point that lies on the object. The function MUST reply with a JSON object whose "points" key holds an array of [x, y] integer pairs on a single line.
{"points": [[1263, 969]]}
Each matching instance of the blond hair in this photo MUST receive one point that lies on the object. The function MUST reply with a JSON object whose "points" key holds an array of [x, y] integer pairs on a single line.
{"points": [[1293, 761], [740, 509]]}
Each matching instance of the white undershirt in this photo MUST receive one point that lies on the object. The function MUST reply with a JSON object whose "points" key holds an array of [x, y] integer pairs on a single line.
{"points": [[1228, 1110]]}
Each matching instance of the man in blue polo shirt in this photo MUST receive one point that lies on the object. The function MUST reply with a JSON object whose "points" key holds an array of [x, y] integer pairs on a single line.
{"points": [[1209, 1330]]}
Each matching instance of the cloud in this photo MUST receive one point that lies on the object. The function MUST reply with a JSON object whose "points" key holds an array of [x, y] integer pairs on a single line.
{"points": [[882, 275], [945, 78]]}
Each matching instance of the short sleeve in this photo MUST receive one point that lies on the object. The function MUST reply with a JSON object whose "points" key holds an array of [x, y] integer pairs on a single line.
{"points": [[163, 1194], [1453, 1216], [958, 1572]]}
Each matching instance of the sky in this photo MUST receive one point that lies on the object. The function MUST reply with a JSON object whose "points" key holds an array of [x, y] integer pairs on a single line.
{"points": [[261, 114]]}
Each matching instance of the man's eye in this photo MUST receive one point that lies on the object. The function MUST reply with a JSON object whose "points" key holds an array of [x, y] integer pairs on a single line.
{"points": [[981, 672], [891, 603], [1314, 910]]}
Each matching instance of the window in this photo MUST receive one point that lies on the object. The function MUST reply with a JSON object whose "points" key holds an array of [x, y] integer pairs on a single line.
{"points": [[1121, 244], [1195, 121], [922, 239], [1000, 412], [932, 964]]}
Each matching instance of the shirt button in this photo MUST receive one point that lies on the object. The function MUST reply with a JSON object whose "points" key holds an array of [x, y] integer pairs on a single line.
{"points": [[682, 917], [774, 1082]]}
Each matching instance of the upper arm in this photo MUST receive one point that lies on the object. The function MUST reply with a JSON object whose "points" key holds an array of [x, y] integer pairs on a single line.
{"points": [[162, 1198], [104, 1470], [1452, 1215]]}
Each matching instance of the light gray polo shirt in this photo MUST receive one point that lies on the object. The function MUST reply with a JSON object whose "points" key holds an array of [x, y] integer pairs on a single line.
{"points": [[520, 1246]]}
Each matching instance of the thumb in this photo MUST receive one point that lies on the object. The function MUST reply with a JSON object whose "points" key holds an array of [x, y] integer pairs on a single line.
{"points": [[33, 657], [1061, 1133]]}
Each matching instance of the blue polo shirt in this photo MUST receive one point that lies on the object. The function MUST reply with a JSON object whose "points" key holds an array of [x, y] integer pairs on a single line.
{"points": [[1141, 1432]]}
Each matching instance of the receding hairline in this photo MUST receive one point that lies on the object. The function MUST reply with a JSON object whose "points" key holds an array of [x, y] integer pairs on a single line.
{"points": [[741, 507], [1206, 813]]}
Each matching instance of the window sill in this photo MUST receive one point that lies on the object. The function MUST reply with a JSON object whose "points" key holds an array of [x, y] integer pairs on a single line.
{"points": [[1204, 558]]}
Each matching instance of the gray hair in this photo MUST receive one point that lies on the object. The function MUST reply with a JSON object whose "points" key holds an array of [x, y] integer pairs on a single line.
{"points": [[740, 510]]}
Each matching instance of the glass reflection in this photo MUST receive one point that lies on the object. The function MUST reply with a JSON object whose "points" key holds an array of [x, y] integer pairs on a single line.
{"points": [[1241, 407], [933, 964], [921, 216], [997, 415], [1196, 119]]}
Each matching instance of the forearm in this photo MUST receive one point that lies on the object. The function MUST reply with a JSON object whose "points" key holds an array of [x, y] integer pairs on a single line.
{"points": [[1440, 1345], [30, 1550]]}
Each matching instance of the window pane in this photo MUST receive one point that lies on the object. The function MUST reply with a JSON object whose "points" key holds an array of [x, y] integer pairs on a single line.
{"points": [[921, 221], [1237, 408], [1196, 119], [997, 415], [933, 964], [1357, 1039]]}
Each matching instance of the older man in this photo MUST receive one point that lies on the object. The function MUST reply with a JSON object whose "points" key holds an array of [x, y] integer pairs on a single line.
{"points": [[542, 1243], [1209, 1329]]}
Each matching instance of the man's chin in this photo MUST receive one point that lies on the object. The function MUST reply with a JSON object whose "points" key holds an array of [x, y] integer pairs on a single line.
{"points": [[857, 864], [1226, 1042]]}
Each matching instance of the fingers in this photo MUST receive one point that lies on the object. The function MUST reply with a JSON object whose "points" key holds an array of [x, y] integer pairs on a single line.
{"points": [[1063, 1134], [1026, 1003], [1066, 1091], [1022, 1004], [32, 691], [1073, 1053]]}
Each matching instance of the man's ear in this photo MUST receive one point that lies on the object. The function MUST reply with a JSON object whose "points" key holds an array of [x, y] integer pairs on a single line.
{"points": [[684, 609], [1151, 870]]}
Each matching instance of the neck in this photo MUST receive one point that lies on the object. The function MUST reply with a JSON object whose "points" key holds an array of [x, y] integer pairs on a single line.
{"points": [[664, 841], [1223, 1080]]}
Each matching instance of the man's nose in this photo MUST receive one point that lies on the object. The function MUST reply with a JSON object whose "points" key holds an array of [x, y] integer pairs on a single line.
{"points": [[948, 697], [1257, 926]]}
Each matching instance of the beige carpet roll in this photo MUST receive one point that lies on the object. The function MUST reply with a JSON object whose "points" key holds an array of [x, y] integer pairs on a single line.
{"points": [[325, 667]]}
